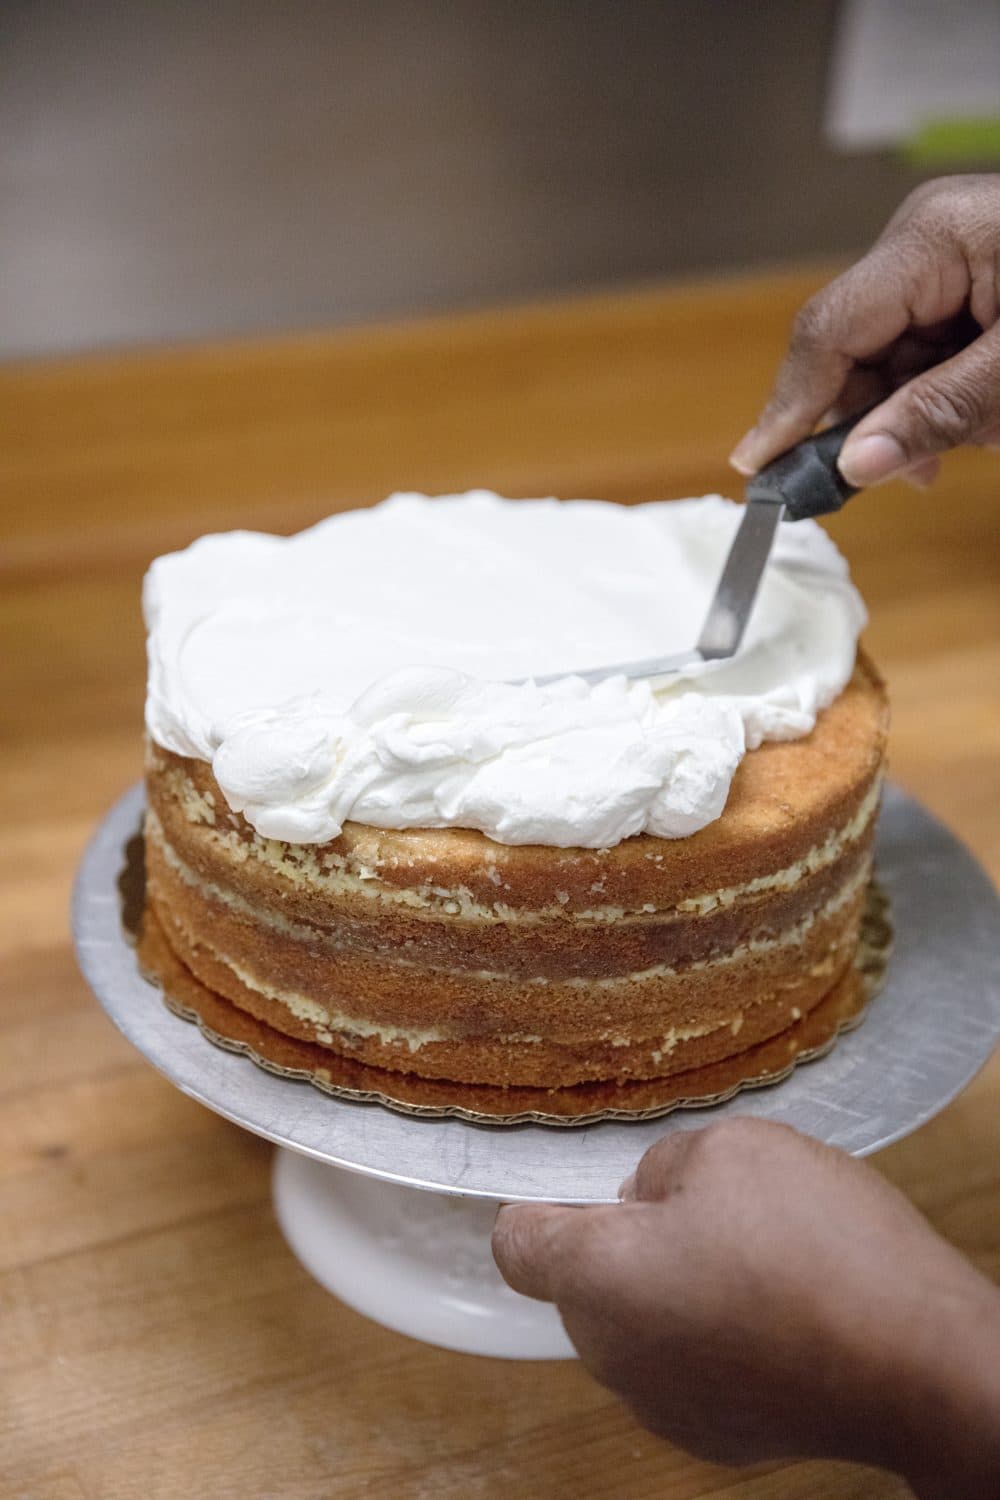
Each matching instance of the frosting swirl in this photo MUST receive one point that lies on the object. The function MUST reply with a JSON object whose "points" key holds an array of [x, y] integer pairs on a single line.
{"points": [[361, 669]]}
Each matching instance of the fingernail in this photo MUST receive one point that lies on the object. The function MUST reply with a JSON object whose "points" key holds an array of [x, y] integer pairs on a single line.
{"points": [[869, 460], [627, 1189], [921, 476], [741, 457]]}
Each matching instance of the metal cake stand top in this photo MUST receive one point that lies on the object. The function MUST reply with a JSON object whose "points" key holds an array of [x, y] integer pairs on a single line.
{"points": [[929, 1032]]}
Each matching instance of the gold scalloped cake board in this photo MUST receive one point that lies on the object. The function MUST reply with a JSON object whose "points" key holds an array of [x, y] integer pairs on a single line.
{"points": [[770, 1062]]}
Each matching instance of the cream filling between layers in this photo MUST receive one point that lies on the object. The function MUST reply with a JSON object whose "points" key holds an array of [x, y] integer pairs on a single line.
{"points": [[239, 904], [329, 1023], [306, 869], [326, 1021]]}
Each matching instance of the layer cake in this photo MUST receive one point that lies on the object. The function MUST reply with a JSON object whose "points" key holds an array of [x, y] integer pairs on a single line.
{"points": [[491, 957]]}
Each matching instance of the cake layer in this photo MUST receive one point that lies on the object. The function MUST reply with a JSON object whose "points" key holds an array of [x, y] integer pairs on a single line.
{"points": [[539, 946], [409, 994], [593, 1041], [445, 954], [346, 1076], [788, 802]]}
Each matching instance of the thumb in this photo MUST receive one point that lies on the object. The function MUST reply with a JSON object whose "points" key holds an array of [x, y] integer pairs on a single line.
{"points": [[958, 401], [529, 1247]]}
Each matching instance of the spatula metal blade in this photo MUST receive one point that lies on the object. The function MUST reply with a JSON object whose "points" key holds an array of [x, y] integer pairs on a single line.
{"points": [[728, 614], [653, 666], [730, 610]]}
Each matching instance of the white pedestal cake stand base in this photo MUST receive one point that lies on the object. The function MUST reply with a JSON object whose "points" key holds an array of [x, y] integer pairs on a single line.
{"points": [[419, 1262]]}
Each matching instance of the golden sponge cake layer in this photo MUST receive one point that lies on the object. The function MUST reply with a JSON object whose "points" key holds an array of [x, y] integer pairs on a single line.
{"points": [[443, 953]]}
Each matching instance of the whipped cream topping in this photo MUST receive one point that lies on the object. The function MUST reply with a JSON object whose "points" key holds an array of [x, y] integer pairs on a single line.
{"points": [[361, 669]]}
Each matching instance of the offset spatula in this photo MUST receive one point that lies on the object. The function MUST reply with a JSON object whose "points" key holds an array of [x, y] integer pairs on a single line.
{"points": [[804, 482]]}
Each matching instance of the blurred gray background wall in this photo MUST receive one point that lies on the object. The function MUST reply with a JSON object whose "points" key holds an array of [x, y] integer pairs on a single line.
{"points": [[201, 167]]}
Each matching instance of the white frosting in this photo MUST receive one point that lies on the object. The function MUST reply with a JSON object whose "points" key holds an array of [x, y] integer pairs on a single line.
{"points": [[359, 670]]}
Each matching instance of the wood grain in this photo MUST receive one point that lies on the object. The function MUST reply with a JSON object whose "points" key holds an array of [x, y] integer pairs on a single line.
{"points": [[158, 1337]]}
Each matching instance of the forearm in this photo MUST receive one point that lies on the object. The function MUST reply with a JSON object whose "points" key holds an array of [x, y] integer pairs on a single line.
{"points": [[943, 1422]]}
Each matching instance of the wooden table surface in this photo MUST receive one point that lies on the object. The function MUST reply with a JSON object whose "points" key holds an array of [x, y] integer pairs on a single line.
{"points": [[157, 1339]]}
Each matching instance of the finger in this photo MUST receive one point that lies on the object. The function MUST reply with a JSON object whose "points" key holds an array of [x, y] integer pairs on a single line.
{"points": [[919, 348], [660, 1169], [529, 1242], [852, 319], [910, 355], [678, 1160], [864, 387], [955, 402], [908, 279], [627, 1193]]}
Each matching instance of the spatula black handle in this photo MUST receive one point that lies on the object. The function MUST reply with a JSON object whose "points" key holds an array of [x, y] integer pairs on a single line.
{"points": [[805, 479]]}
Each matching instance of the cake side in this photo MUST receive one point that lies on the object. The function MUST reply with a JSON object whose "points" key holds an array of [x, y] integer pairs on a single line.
{"points": [[443, 953]]}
